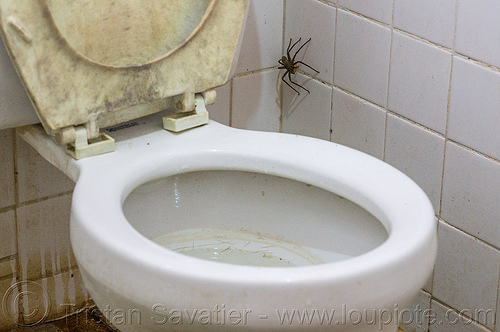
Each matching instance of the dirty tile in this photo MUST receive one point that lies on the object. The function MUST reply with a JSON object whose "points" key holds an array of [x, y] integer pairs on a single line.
{"points": [[43, 237], [66, 291], [358, 124], [50, 298], [10, 303], [37, 178], [7, 234], [8, 267], [307, 114], [7, 189], [15, 106]]}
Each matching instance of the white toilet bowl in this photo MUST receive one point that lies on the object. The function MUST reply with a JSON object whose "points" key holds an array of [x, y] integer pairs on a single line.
{"points": [[365, 232]]}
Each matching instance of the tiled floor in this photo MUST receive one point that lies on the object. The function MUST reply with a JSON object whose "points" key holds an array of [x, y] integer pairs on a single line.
{"points": [[88, 320], [85, 321]]}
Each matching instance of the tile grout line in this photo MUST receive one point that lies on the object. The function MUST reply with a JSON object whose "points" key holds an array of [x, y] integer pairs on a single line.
{"points": [[386, 108]]}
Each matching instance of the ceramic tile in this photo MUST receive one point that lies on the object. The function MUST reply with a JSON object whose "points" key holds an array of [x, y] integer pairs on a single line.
{"points": [[261, 45], [15, 106], [307, 114], [445, 319], [413, 318], [43, 237], [466, 273], [10, 312], [358, 124], [418, 153], [474, 107], [471, 192], [220, 111], [362, 57], [7, 234], [497, 321], [302, 17], [419, 82], [8, 267], [380, 10], [256, 103], [429, 19], [7, 189], [37, 178], [478, 30], [56, 296]]}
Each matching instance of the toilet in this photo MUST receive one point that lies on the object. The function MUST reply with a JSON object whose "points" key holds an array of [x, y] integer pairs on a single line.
{"points": [[180, 223]]}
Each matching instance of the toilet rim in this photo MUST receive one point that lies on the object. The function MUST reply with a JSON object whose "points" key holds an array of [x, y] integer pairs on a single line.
{"points": [[394, 199]]}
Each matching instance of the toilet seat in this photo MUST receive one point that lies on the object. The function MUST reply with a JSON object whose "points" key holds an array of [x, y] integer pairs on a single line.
{"points": [[71, 84]]}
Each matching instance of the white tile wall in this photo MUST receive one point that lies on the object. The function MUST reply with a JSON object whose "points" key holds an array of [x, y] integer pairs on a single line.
{"points": [[37, 178], [261, 46], [358, 124], [256, 102], [42, 252], [415, 318], [478, 30], [7, 230], [380, 10], [429, 19], [448, 320], [10, 312], [466, 274], [302, 17], [417, 152], [471, 193], [221, 110], [305, 115], [7, 181], [419, 81], [362, 51], [474, 118]]}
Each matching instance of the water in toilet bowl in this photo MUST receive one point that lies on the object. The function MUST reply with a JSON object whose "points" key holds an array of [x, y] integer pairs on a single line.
{"points": [[243, 247], [247, 218]]}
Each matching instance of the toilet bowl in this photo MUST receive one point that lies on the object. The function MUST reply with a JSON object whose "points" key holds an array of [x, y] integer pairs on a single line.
{"points": [[207, 227], [325, 237]]}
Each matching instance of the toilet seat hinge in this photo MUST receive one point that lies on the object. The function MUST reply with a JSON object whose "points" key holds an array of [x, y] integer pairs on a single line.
{"points": [[189, 119], [84, 147]]}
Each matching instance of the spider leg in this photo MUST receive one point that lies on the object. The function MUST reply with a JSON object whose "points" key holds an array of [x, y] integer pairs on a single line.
{"points": [[283, 79], [301, 48], [305, 64], [297, 84], [289, 49]]}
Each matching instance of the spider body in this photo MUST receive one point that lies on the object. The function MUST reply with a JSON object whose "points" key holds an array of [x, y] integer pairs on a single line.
{"points": [[291, 66]]}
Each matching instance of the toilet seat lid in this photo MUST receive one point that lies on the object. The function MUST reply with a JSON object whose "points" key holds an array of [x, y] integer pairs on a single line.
{"points": [[100, 63]]}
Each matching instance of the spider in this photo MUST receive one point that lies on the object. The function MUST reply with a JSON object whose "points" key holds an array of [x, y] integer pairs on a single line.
{"points": [[290, 65]]}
